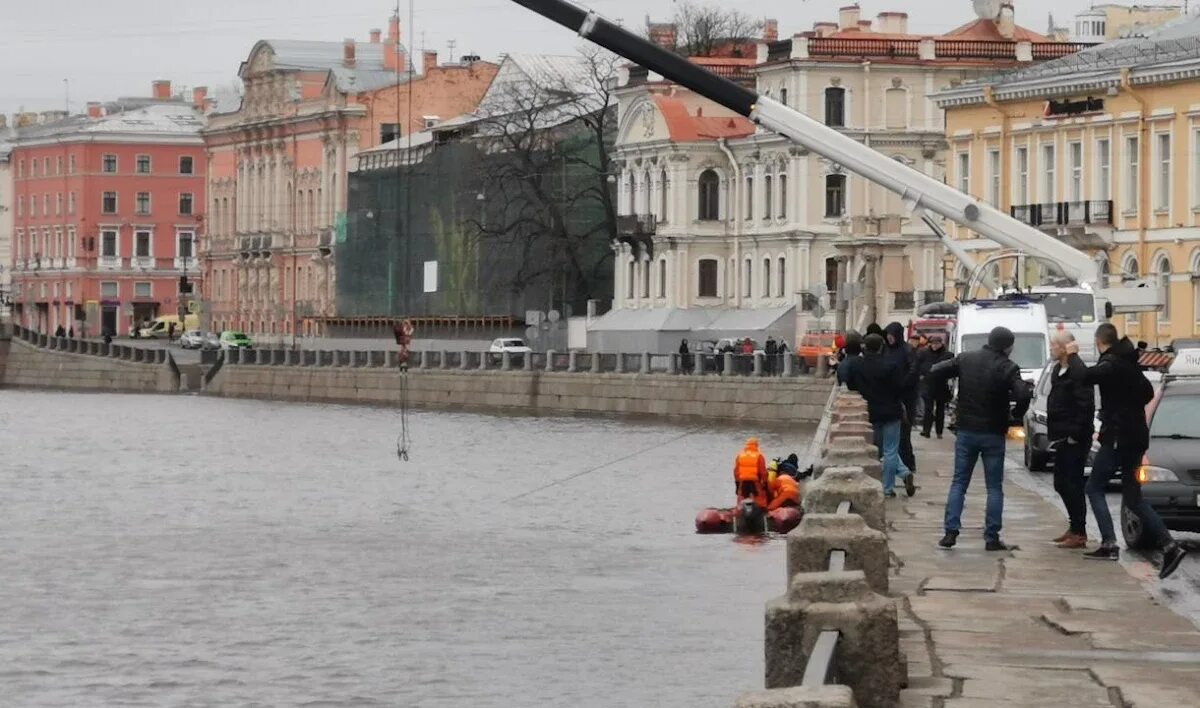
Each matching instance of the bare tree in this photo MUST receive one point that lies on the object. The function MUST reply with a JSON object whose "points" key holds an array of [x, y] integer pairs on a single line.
{"points": [[702, 30], [545, 177]]}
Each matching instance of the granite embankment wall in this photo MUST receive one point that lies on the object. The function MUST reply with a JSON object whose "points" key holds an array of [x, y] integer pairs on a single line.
{"points": [[24, 365], [717, 399]]}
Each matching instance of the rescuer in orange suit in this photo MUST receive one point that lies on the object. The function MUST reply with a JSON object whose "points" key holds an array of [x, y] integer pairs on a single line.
{"points": [[784, 492], [750, 474]]}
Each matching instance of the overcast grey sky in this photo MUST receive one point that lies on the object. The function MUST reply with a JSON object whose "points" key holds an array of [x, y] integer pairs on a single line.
{"points": [[110, 48]]}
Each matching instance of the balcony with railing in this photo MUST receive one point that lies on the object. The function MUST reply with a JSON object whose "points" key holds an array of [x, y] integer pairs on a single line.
{"points": [[110, 263], [1082, 213]]}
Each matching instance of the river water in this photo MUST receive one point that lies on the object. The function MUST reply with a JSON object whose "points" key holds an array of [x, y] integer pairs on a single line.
{"points": [[188, 551]]}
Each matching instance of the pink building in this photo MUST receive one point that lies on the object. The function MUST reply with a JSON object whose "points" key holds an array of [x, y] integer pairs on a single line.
{"points": [[108, 211]]}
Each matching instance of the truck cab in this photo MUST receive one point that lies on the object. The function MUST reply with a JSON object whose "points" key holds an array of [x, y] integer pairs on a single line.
{"points": [[1027, 321]]}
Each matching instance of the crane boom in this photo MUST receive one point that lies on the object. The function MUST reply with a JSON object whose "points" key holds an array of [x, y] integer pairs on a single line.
{"points": [[919, 191]]}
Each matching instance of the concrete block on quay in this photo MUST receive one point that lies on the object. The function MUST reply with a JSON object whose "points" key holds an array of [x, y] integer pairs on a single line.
{"points": [[868, 651], [838, 484], [851, 453], [810, 543], [800, 697]]}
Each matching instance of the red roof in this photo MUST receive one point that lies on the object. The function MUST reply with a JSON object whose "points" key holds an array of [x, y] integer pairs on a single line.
{"points": [[987, 30], [685, 127]]}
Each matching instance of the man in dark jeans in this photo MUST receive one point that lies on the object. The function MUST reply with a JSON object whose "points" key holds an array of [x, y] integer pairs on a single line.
{"points": [[1124, 439], [901, 356], [987, 380], [935, 400], [1070, 409], [879, 382]]}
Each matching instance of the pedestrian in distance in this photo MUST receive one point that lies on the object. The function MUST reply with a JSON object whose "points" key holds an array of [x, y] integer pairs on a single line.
{"points": [[171, 332], [1070, 411], [771, 349], [849, 357], [1124, 439], [60, 332], [987, 381], [934, 398], [71, 332], [685, 359], [878, 380]]}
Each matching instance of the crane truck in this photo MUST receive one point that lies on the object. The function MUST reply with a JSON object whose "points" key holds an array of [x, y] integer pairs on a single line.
{"points": [[1079, 272]]}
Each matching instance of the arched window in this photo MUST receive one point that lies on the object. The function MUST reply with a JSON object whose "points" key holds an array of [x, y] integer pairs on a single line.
{"points": [[783, 96], [662, 277], [632, 195], [707, 277], [1131, 267], [835, 107], [766, 271], [783, 196], [1162, 269], [747, 288], [730, 274], [662, 198], [646, 203], [768, 196], [710, 197], [781, 278], [749, 197], [631, 279], [645, 278]]}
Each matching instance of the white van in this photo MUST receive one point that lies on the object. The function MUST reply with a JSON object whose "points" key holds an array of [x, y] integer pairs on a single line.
{"points": [[1076, 310], [1026, 319]]}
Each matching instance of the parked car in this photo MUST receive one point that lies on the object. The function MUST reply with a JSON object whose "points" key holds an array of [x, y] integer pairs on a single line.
{"points": [[1170, 472], [192, 339], [516, 348], [211, 341], [235, 340]]}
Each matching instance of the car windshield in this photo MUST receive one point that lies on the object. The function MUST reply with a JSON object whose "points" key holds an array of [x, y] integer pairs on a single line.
{"points": [[513, 343], [1177, 417], [1070, 307], [1029, 351]]}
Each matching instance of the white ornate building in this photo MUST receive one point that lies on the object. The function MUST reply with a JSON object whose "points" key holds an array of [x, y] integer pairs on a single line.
{"points": [[723, 217]]}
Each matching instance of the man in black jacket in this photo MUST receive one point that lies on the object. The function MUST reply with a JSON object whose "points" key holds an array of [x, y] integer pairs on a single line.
{"points": [[935, 399], [1124, 439], [1070, 410], [902, 356], [987, 380], [879, 382]]}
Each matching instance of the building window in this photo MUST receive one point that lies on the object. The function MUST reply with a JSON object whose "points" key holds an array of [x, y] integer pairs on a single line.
{"points": [[185, 203], [994, 177], [1021, 184], [709, 188], [708, 277], [58, 204], [1103, 170], [71, 203], [71, 240], [1163, 270], [185, 244], [1048, 164], [964, 172], [143, 164], [781, 279], [71, 164], [1131, 175], [46, 204], [835, 107], [769, 197], [747, 288], [783, 96], [141, 244], [389, 132], [45, 166], [143, 290], [630, 279], [1196, 176], [1075, 155], [783, 196], [20, 205], [109, 203], [109, 290], [58, 165], [21, 169], [749, 198], [109, 163], [1132, 270], [1162, 201], [645, 279], [766, 284], [108, 244], [835, 196], [143, 203], [662, 278], [186, 166]]}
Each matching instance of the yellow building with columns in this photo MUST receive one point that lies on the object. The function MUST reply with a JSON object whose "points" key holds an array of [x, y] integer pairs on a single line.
{"points": [[1102, 150]]}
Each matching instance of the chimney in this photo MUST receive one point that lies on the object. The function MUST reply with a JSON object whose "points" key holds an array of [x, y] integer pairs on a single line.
{"points": [[199, 94], [848, 17], [824, 29], [893, 23], [664, 34], [428, 61], [95, 109], [375, 36], [161, 90], [1006, 24], [348, 47], [394, 29], [770, 30]]}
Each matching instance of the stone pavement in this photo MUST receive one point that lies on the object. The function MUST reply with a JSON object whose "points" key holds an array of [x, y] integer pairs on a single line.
{"points": [[1037, 626]]}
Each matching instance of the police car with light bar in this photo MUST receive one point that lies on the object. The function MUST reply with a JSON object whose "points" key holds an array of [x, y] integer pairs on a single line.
{"points": [[1170, 472]]}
